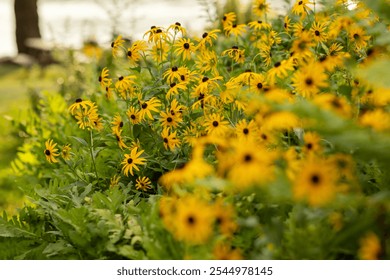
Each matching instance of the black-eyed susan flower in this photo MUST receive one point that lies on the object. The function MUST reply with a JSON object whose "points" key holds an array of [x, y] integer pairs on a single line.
{"points": [[114, 181], [337, 104], [357, 36], [170, 120], [235, 29], [377, 119], [225, 217], [134, 53], [301, 7], [259, 25], [216, 124], [279, 70], [370, 247], [194, 219], [207, 39], [80, 104], [251, 165], [87, 117], [51, 152], [260, 7], [116, 46], [124, 83], [143, 183], [119, 140], [224, 251], [156, 34], [170, 139], [185, 48], [245, 129], [134, 115], [312, 143], [104, 79], [159, 52], [117, 124], [238, 55], [207, 61], [172, 74], [309, 79], [315, 183], [302, 46], [177, 27], [147, 107], [174, 89], [132, 160], [65, 152], [287, 24], [318, 31], [228, 19]]}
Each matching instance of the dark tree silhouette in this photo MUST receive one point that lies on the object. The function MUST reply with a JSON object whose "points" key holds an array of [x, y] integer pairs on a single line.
{"points": [[27, 25]]}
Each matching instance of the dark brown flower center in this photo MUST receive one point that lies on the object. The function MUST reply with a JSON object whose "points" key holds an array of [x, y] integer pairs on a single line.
{"points": [[309, 81], [47, 152], [129, 160], [245, 131], [317, 33], [169, 119], [191, 220], [186, 46], [215, 123], [315, 179], [248, 158]]}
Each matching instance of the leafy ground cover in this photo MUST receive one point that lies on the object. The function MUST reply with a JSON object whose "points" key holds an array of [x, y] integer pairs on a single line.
{"points": [[261, 139]]}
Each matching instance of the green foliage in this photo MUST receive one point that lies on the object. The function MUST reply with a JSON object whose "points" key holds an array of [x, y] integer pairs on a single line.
{"points": [[83, 204]]}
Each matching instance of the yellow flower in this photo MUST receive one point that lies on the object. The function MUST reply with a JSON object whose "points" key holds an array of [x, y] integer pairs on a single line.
{"points": [[228, 19], [131, 161], [143, 183], [370, 247], [315, 182], [207, 39], [194, 219], [170, 139], [103, 78], [116, 46], [225, 217], [177, 27], [114, 181], [377, 119], [134, 115], [124, 83], [309, 80], [117, 124], [185, 48], [260, 7], [279, 70], [51, 151], [147, 107], [235, 29], [119, 139], [251, 165], [65, 152], [318, 31], [170, 120], [312, 143], [172, 74], [301, 7], [216, 125], [224, 251]]}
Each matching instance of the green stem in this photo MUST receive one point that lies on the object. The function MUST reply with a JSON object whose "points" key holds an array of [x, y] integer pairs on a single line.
{"points": [[93, 157]]}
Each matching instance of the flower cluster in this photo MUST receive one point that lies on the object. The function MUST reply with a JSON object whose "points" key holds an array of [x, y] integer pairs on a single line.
{"points": [[221, 130]]}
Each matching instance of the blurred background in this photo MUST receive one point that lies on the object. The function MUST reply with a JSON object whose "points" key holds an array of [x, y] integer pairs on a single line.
{"points": [[41, 50]]}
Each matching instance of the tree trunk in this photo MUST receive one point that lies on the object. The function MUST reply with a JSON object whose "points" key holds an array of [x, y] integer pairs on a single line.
{"points": [[27, 25]]}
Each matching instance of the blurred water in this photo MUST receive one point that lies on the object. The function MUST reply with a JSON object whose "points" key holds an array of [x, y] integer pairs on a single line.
{"points": [[69, 22]]}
